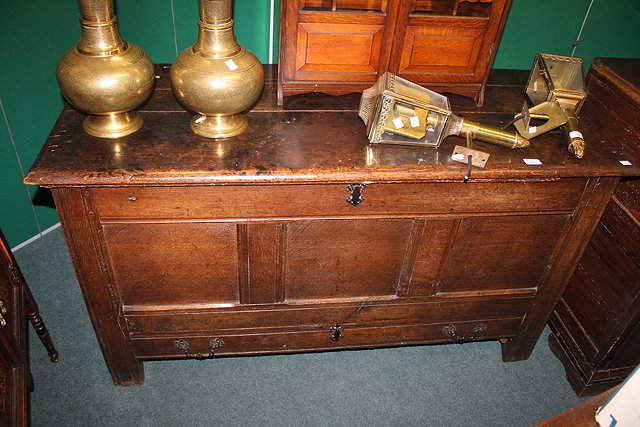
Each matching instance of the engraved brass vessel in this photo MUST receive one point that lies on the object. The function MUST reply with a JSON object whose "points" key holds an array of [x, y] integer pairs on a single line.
{"points": [[105, 76], [216, 77]]}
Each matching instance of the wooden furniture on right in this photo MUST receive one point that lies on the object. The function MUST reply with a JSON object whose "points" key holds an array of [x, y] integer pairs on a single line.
{"points": [[596, 325], [581, 415], [342, 46], [16, 305]]}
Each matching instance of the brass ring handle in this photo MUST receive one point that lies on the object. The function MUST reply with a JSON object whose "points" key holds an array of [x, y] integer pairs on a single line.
{"points": [[452, 332], [214, 344], [3, 311]]}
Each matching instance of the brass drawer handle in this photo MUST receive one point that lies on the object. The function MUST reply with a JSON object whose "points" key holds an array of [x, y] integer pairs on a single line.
{"points": [[452, 332], [214, 344], [3, 311]]}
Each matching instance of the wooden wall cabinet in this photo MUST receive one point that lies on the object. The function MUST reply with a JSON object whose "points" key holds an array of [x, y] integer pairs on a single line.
{"points": [[298, 235], [342, 46], [596, 325], [16, 305]]}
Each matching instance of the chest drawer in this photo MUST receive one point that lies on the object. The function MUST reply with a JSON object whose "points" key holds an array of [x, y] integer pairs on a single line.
{"points": [[315, 200], [182, 321], [338, 337]]}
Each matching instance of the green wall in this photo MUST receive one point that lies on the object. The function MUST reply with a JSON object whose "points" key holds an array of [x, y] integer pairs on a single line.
{"points": [[35, 33], [551, 26]]}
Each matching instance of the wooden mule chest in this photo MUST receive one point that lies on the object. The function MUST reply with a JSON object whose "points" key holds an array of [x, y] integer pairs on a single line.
{"points": [[300, 236]]}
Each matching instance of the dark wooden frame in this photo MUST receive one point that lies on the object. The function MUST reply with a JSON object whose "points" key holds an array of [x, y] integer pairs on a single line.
{"points": [[19, 305], [596, 325]]}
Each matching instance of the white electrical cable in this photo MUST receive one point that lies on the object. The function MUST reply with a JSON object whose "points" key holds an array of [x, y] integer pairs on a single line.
{"points": [[584, 21], [175, 33], [271, 29]]}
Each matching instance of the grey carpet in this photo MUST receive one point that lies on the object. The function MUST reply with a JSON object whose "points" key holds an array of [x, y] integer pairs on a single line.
{"points": [[440, 385]]}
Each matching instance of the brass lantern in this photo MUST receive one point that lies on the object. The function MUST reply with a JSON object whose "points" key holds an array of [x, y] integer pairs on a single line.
{"points": [[556, 88], [397, 111]]}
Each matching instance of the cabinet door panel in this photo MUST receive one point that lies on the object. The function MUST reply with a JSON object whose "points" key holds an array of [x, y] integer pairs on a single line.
{"points": [[345, 258], [327, 48], [501, 253], [439, 48], [176, 263]]}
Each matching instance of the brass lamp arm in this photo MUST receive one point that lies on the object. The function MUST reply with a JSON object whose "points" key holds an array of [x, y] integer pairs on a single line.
{"points": [[493, 136], [575, 140]]}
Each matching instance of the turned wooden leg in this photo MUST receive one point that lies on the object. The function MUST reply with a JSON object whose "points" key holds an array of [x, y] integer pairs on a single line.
{"points": [[37, 323]]}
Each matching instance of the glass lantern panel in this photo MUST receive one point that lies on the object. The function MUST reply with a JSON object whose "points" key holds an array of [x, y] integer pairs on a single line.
{"points": [[537, 88], [411, 90], [346, 5], [421, 127], [565, 73], [474, 8]]}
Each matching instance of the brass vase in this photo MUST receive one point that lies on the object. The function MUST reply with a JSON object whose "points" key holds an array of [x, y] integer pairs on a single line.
{"points": [[103, 75], [216, 77]]}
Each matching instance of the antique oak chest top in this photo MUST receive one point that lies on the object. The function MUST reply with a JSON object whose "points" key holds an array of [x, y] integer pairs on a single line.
{"points": [[299, 236]]}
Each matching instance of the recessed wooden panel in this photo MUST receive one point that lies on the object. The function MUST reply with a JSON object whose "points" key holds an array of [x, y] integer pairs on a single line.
{"points": [[441, 49], [494, 253], [351, 48], [435, 239], [344, 258], [173, 263], [262, 243], [600, 308]]}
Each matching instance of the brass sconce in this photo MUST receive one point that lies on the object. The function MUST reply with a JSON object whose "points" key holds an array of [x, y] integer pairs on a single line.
{"points": [[397, 111], [556, 88]]}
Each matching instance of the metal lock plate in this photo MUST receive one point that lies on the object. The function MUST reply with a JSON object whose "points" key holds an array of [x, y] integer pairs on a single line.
{"points": [[478, 158]]}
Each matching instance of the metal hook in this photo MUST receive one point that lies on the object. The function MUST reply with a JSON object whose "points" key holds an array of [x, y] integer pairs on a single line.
{"points": [[469, 139], [469, 167]]}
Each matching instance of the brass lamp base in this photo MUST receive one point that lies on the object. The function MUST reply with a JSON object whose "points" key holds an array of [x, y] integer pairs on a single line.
{"points": [[113, 125], [219, 126]]}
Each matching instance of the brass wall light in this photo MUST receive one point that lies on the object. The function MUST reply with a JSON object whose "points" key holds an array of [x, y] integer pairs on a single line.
{"points": [[556, 88], [397, 111]]}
